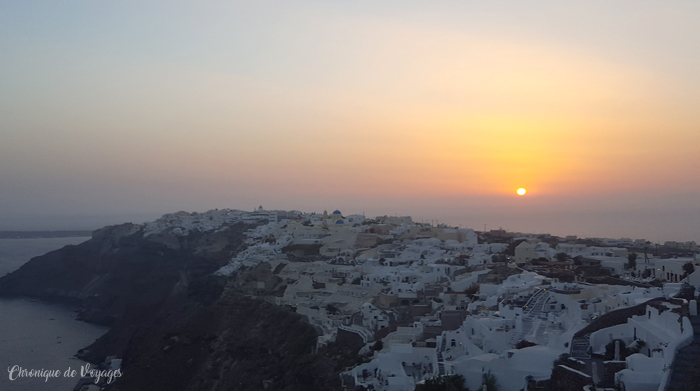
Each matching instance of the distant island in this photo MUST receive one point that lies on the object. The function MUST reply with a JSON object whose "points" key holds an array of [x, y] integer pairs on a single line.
{"points": [[43, 234]]}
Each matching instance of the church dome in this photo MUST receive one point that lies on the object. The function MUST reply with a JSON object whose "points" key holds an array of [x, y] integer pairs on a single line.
{"points": [[337, 212]]}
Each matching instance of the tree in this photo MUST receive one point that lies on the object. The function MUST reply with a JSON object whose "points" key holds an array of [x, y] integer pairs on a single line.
{"points": [[489, 379], [445, 383], [688, 268], [562, 257], [331, 309], [632, 260], [472, 290]]}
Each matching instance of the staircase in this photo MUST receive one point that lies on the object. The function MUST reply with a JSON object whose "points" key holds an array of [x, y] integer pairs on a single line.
{"points": [[540, 336], [532, 310], [686, 366], [580, 347], [441, 365]]}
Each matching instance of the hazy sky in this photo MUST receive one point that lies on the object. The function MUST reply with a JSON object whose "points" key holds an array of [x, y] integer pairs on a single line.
{"points": [[115, 111]]}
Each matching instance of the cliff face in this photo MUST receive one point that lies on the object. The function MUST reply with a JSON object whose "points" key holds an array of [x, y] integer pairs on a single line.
{"points": [[120, 268], [174, 324], [237, 343]]}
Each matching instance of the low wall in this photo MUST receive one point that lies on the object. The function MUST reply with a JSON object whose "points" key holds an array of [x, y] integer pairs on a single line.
{"points": [[567, 379]]}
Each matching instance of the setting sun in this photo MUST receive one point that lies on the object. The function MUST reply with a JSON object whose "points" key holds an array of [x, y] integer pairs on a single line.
{"points": [[521, 191]]}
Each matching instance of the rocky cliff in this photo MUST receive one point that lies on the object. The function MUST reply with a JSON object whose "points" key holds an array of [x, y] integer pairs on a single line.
{"points": [[174, 324]]}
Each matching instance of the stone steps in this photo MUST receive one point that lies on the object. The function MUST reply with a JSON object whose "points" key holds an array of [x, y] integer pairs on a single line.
{"points": [[533, 310]]}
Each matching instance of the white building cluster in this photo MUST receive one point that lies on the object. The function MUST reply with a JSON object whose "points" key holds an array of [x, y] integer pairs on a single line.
{"points": [[444, 304]]}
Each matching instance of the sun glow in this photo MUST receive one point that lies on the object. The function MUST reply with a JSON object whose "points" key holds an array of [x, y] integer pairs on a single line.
{"points": [[521, 191]]}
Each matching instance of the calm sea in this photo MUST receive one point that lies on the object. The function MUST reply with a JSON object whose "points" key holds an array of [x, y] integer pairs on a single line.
{"points": [[35, 335]]}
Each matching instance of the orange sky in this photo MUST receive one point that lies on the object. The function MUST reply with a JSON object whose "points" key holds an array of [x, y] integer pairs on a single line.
{"points": [[378, 108]]}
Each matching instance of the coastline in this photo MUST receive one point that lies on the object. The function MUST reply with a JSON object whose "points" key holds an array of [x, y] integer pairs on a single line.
{"points": [[39, 333]]}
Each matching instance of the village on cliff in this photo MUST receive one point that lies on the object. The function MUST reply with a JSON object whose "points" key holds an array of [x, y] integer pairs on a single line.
{"points": [[507, 311]]}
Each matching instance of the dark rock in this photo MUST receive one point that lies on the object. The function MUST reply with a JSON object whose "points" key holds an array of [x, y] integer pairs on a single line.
{"points": [[174, 324]]}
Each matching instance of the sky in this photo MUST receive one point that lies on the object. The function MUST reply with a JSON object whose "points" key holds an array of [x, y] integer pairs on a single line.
{"points": [[122, 111]]}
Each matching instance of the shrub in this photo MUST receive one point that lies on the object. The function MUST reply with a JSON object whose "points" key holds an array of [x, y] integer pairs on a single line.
{"points": [[610, 350], [489, 380], [444, 383]]}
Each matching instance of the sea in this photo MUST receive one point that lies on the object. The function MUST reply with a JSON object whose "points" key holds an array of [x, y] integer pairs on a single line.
{"points": [[36, 335]]}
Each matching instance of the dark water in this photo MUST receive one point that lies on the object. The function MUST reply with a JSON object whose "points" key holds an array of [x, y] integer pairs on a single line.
{"points": [[34, 335]]}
